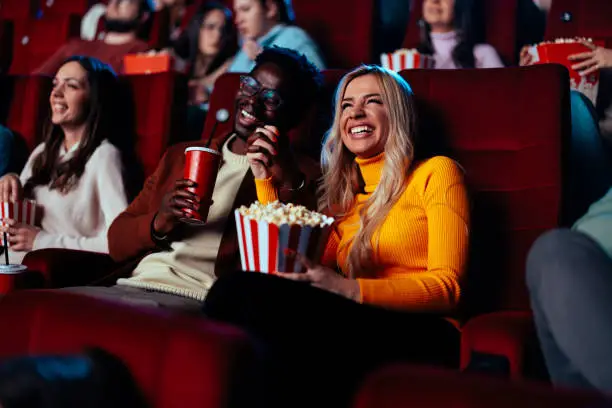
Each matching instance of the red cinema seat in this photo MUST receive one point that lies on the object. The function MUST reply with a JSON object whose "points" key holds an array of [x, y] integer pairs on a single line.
{"points": [[6, 45], [500, 26], [24, 103], [511, 141], [178, 361], [160, 108], [404, 386], [17, 9], [343, 29], [584, 18], [34, 41], [64, 7]]}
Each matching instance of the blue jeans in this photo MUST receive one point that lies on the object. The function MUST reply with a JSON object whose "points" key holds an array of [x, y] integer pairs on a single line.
{"points": [[590, 171], [6, 149], [570, 282]]}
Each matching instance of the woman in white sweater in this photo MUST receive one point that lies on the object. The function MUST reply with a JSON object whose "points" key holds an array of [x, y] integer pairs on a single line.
{"points": [[76, 175]]}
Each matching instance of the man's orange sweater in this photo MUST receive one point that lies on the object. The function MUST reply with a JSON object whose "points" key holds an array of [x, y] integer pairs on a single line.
{"points": [[422, 244]]}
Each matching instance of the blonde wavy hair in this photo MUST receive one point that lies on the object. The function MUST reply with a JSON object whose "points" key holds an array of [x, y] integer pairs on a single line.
{"points": [[340, 182]]}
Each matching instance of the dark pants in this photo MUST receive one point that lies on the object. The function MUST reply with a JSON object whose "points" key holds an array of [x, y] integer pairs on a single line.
{"points": [[320, 345], [570, 282]]}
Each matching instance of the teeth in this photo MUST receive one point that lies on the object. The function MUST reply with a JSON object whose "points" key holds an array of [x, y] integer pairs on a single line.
{"points": [[360, 129], [248, 115]]}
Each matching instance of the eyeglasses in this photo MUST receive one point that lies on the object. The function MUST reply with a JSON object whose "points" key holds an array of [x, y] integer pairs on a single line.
{"points": [[271, 99]]}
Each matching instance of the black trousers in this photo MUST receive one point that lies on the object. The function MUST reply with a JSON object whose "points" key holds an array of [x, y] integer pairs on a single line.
{"points": [[319, 346]]}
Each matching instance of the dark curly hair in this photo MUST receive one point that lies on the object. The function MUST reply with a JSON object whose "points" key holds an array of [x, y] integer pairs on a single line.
{"points": [[307, 80], [468, 27]]}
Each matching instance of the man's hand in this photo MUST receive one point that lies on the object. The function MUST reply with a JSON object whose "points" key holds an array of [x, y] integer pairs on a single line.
{"points": [[172, 207]]}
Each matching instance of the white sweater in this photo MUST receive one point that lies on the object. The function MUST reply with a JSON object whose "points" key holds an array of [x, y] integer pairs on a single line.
{"points": [[79, 219]]}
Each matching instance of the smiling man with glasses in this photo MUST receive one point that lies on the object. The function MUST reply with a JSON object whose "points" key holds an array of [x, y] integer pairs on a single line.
{"points": [[175, 263]]}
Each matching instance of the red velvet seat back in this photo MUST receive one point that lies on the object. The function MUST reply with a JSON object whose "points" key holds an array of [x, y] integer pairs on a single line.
{"points": [[17, 9], [160, 102], [584, 18], [34, 41], [403, 386], [500, 24], [343, 29], [64, 7], [24, 104], [508, 129], [177, 361]]}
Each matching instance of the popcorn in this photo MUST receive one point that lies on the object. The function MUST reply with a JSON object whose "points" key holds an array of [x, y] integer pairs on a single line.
{"points": [[278, 213], [266, 232], [406, 59], [558, 51]]}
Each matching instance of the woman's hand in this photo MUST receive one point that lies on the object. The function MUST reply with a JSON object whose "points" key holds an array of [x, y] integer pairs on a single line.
{"points": [[525, 57], [251, 49], [323, 278], [591, 61], [10, 188], [21, 236]]}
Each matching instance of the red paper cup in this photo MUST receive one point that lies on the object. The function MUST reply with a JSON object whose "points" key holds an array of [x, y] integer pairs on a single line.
{"points": [[263, 245], [406, 59], [10, 276], [558, 53], [201, 167]]}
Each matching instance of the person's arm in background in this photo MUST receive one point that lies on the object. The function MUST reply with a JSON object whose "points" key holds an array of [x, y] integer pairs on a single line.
{"points": [[6, 149], [89, 23], [297, 39], [543, 5], [487, 57], [111, 199]]}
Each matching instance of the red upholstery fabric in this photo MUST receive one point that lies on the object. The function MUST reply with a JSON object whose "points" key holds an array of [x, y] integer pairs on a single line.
{"points": [[64, 7], [24, 105], [508, 129], [17, 9], [177, 361], [510, 335], [343, 29], [588, 18], [405, 386], [160, 103], [36, 40], [6, 45], [500, 20]]}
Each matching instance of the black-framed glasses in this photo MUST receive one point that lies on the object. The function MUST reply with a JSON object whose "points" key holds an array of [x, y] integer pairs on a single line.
{"points": [[249, 86]]}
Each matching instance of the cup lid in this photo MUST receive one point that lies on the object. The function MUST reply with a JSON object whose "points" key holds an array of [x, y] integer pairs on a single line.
{"points": [[12, 268], [201, 149]]}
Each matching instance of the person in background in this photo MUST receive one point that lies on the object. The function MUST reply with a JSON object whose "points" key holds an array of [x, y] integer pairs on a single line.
{"points": [[76, 175], [123, 19], [391, 21], [172, 264], [6, 149], [393, 265], [90, 21], [449, 33], [266, 23], [92, 379]]}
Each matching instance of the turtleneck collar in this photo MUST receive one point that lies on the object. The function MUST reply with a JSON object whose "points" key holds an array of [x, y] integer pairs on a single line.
{"points": [[451, 35], [371, 170]]}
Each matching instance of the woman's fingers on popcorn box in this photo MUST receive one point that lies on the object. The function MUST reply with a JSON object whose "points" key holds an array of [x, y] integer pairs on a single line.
{"points": [[588, 44], [295, 276], [581, 56], [308, 264]]}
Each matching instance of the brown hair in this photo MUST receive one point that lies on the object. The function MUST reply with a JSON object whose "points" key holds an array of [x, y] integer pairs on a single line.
{"points": [[65, 175]]}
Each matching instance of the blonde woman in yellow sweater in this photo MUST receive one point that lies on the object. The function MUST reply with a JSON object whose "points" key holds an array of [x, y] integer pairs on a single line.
{"points": [[400, 245]]}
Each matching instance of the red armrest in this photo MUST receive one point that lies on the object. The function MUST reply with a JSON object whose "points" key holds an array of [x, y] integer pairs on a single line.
{"points": [[506, 339], [64, 267], [407, 386]]}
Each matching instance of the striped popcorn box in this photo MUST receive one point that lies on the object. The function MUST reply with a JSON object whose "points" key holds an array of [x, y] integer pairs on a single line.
{"points": [[557, 52], [263, 244], [406, 59], [23, 212]]}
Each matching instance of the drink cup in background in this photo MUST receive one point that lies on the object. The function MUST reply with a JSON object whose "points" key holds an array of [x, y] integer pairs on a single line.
{"points": [[201, 167], [10, 276]]}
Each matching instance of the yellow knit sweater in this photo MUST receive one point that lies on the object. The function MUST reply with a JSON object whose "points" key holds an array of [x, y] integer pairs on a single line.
{"points": [[422, 244]]}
